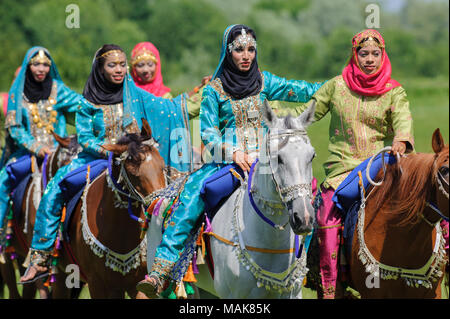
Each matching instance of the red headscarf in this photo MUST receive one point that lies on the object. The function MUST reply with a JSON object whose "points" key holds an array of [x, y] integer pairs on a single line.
{"points": [[361, 83], [156, 85]]}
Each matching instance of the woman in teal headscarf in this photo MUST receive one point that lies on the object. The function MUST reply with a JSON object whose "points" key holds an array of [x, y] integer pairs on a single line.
{"points": [[112, 106], [230, 120], [37, 101]]}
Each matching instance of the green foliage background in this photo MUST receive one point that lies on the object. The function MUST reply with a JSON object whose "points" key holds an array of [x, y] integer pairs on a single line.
{"points": [[301, 39]]}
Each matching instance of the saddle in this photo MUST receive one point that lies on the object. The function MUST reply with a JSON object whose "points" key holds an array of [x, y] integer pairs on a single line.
{"points": [[347, 196]]}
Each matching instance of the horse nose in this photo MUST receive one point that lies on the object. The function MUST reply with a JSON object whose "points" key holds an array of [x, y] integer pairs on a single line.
{"points": [[302, 220]]}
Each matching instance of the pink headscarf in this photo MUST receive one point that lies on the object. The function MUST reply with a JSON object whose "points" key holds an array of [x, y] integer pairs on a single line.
{"points": [[369, 84], [156, 85]]}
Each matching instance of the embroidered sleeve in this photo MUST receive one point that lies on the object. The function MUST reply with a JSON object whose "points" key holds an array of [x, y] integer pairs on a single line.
{"points": [[87, 138], [20, 135], [402, 121], [67, 99], [278, 88], [210, 122], [322, 97]]}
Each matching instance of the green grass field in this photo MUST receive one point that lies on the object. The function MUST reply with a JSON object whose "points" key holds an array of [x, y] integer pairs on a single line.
{"points": [[429, 102]]}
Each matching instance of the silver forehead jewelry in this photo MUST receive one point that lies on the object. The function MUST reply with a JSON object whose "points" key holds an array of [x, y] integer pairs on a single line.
{"points": [[243, 40]]}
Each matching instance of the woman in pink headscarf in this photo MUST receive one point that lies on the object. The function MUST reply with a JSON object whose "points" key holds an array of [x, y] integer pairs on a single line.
{"points": [[146, 71], [369, 110]]}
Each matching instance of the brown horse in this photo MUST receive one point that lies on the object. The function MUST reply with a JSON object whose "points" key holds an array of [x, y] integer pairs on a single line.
{"points": [[103, 236], [23, 228], [397, 236]]}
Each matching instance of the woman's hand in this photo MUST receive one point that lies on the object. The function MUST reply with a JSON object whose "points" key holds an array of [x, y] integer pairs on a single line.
{"points": [[398, 148], [205, 80], [243, 160], [44, 150]]}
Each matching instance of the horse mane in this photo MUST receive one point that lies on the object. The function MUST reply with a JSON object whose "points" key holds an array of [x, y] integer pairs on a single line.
{"points": [[405, 187], [73, 145], [135, 147]]}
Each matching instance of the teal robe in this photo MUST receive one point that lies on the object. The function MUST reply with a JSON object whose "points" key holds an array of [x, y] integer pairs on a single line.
{"points": [[223, 120], [23, 136]]}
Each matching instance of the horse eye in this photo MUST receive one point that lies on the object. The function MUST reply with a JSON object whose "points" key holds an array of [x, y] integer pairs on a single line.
{"points": [[444, 170]]}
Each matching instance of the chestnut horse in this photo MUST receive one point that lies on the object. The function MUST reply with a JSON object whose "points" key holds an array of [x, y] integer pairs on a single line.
{"points": [[68, 147], [398, 248], [105, 229]]}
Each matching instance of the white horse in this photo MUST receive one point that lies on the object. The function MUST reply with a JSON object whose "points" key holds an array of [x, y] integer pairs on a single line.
{"points": [[262, 261]]}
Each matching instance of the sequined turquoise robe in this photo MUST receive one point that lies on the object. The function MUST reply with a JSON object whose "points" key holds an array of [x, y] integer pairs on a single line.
{"points": [[23, 135], [103, 124], [223, 120]]}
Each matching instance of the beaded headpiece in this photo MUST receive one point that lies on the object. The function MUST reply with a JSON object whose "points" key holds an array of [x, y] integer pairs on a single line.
{"points": [[243, 40], [367, 38], [143, 55], [40, 57], [114, 53]]}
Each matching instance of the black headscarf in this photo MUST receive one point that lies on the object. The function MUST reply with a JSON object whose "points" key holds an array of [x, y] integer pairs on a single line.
{"points": [[99, 90], [34, 90], [237, 83]]}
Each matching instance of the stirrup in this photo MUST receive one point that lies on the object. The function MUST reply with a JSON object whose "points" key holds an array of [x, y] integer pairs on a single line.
{"points": [[39, 275], [151, 290]]}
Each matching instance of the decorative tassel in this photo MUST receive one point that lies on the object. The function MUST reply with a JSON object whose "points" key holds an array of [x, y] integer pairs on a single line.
{"points": [[194, 264], [200, 260], [201, 246], [88, 174], [189, 276], [32, 164], [180, 291], [189, 289], [208, 225]]}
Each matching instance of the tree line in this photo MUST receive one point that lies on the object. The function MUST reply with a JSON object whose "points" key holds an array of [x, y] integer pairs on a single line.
{"points": [[301, 39]]}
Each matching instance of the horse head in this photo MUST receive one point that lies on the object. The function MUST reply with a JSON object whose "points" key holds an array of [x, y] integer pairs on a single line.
{"points": [[139, 156], [440, 172], [290, 156], [68, 148]]}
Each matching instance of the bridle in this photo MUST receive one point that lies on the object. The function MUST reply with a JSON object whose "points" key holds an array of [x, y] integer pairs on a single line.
{"points": [[290, 192], [440, 187], [129, 190], [439, 178], [286, 193]]}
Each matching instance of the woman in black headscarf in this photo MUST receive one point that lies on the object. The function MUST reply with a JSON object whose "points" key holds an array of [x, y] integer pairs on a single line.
{"points": [[98, 121], [232, 102]]}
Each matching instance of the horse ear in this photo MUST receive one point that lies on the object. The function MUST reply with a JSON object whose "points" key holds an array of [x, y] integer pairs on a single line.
{"points": [[437, 141], [63, 141], [307, 117], [269, 115], [146, 130], [117, 149]]}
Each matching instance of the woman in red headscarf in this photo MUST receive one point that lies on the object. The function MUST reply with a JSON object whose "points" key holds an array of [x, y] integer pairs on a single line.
{"points": [[146, 71], [369, 110]]}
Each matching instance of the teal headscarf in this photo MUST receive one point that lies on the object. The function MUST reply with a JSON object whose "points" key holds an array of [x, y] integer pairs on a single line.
{"points": [[15, 93], [223, 52]]}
